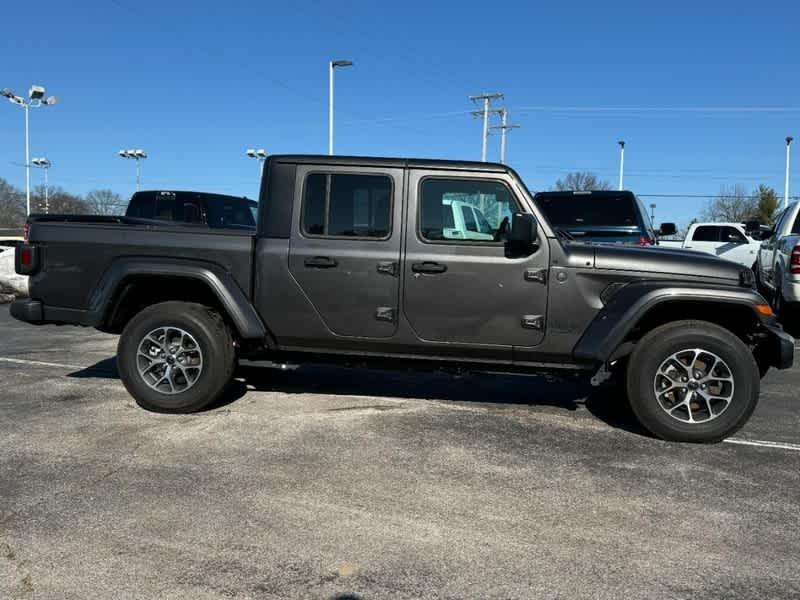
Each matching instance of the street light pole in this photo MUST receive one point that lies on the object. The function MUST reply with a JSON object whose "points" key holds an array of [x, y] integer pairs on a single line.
{"points": [[44, 164], [786, 180], [27, 161], [136, 155], [621, 164], [35, 100], [331, 67], [261, 155]]}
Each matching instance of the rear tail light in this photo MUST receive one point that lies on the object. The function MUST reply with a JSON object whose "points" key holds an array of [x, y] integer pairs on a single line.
{"points": [[646, 241], [26, 256], [795, 261], [26, 259]]}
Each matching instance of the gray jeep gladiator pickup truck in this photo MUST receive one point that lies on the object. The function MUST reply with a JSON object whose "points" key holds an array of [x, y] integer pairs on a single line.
{"points": [[361, 261]]}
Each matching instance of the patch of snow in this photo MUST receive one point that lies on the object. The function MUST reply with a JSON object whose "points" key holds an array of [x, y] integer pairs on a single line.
{"points": [[10, 282]]}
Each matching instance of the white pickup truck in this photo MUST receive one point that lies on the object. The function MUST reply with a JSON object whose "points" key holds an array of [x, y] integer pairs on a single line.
{"points": [[778, 268], [731, 241]]}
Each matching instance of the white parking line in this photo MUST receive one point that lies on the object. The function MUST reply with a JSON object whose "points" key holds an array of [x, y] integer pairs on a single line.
{"points": [[765, 444], [40, 363]]}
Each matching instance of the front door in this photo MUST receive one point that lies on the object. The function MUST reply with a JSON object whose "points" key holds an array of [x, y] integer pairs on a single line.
{"points": [[461, 285], [345, 247]]}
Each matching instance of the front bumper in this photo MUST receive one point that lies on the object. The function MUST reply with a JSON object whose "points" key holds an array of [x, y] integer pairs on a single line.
{"points": [[780, 347]]}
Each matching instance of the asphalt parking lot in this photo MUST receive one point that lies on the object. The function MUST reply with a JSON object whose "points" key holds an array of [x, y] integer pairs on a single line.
{"points": [[335, 483]]}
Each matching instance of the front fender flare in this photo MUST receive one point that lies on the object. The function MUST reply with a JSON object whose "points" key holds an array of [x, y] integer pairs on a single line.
{"points": [[630, 304]]}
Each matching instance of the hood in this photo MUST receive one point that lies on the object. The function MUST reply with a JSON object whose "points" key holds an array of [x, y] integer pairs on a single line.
{"points": [[675, 263]]}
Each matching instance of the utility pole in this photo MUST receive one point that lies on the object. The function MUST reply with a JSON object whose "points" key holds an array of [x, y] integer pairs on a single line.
{"points": [[786, 180], [486, 99], [621, 164], [503, 127]]}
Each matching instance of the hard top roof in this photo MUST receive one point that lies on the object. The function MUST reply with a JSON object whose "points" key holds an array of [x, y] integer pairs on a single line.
{"points": [[376, 161]]}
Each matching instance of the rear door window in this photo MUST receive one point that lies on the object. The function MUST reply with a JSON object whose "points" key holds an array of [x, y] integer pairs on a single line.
{"points": [[706, 233], [345, 205]]}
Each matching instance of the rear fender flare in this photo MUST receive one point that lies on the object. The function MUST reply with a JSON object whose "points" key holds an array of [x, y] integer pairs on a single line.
{"points": [[234, 301]]}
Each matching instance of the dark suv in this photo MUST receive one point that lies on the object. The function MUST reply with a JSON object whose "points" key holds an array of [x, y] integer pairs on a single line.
{"points": [[601, 217]]}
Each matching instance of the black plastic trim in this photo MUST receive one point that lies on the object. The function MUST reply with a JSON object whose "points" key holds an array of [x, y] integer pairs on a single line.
{"points": [[27, 310], [234, 301], [627, 307]]}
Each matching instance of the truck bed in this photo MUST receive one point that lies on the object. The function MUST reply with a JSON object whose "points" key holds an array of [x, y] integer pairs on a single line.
{"points": [[77, 250]]}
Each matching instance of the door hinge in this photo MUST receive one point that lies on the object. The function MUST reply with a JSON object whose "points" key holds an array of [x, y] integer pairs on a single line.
{"points": [[533, 322], [536, 275], [385, 313], [389, 268]]}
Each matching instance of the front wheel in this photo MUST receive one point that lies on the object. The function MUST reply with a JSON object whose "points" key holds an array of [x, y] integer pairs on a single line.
{"points": [[176, 357], [692, 381]]}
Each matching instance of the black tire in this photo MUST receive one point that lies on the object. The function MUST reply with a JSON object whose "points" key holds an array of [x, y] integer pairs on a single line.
{"points": [[216, 351], [661, 343]]}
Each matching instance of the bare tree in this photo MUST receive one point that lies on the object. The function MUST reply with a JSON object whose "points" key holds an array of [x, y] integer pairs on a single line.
{"points": [[581, 181], [12, 205], [733, 204], [105, 202], [60, 202]]}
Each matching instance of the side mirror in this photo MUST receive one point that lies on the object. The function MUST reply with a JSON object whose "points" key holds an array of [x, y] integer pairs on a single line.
{"points": [[668, 229], [524, 230]]}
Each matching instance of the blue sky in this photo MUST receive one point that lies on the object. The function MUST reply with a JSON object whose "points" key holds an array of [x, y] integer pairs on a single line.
{"points": [[703, 92]]}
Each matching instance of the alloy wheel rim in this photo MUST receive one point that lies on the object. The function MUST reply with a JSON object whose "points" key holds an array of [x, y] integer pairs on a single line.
{"points": [[169, 360], [694, 385]]}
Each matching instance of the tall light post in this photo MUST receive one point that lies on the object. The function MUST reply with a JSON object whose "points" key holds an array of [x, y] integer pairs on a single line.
{"points": [[652, 213], [137, 155], [786, 180], [35, 100], [261, 155], [621, 164], [44, 164], [332, 65]]}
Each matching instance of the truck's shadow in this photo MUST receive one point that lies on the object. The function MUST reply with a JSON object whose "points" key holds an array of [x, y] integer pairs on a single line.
{"points": [[605, 403]]}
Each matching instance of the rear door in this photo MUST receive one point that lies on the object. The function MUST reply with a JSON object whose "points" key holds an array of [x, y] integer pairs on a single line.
{"points": [[470, 291], [735, 246], [345, 247], [705, 238]]}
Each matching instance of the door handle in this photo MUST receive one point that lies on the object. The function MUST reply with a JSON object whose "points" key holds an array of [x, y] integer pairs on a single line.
{"points": [[320, 262], [428, 267]]}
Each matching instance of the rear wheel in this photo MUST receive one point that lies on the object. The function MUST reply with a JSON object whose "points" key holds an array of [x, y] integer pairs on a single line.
{"points": [[176, 357], [692, 381]]}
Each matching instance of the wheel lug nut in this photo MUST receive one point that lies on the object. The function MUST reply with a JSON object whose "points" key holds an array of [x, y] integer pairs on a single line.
{"points": [[685, 379]]}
